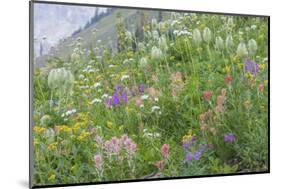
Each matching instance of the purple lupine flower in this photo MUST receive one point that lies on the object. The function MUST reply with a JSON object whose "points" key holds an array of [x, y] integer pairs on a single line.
{"points": [[252, 67], [186, 145], [109, 102], [202, 147], [193, 139], [117, 88], [116, 100], [142, 88], [197, 155], [188, 157], [124, 96], [229, 137]]}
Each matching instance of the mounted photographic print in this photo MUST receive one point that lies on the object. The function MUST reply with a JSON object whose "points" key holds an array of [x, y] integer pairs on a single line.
{"points": [[122, 94]]}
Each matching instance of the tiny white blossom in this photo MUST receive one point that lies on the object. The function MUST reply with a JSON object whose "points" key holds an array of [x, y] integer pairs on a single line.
{"points": [[69, 112], [155, 108], [253, 27], [96, 85], [104, 96], [124, 77], [144, 97], [96, 100]]}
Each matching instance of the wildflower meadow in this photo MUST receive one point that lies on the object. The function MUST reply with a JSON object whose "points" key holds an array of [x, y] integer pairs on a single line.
{"points": [[181, 94]]}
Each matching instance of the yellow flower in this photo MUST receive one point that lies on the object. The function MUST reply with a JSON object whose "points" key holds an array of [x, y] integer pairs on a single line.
{"points": [[52, 146], [39, 130], [265, 82], [188, 137], [76, 127], [249, 76], [129, 109], [262, 66], [52, 177], [63, 129], [35, 142], [226, 69], [240, 65], [83, 135], [109, 124], [235, 58]]}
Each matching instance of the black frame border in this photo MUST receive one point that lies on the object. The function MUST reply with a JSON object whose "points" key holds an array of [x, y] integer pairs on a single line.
{"points": [[31, 54]]}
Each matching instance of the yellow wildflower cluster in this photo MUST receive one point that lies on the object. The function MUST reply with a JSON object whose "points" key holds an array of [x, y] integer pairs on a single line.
{"points": [[52, 177], [63, 129], [188, 137], [39, 130], [83, 135], [52, 146], [249, 76], [35, 142], [240, 66], [226, 69], [261, 66], [76, 127]]}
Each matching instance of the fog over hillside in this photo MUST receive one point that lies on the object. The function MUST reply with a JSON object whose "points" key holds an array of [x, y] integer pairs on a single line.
{"points": [[54, 22]]}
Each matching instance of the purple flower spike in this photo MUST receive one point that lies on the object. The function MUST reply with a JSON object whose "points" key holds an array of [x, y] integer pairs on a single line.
{"points": [[188, 157], [186, 145], [197, 155], [116, 100], [124, 96], [229, 137], [202, 147], [109, 102], [142, 88], [251, 67], [117, 88], [193, 138]]}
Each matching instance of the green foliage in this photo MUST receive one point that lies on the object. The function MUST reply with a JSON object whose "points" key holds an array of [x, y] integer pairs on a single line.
{"points": [[171, 106]]}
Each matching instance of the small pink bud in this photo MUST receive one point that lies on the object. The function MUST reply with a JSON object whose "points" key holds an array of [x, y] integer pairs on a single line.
{"points": [[165, 150]]}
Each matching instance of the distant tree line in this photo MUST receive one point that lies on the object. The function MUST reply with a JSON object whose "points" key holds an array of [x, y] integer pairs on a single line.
{"points": [[96, 18]]}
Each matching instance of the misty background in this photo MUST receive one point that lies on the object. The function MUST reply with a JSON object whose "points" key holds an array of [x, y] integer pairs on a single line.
{"points": [[53, 23]]}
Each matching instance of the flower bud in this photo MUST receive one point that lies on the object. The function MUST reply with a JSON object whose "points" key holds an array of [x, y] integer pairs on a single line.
{"points": [[141, 46], [61, 79], [242, 50], [229, 42], [162, 27], [143, 62], [128, 36], [230, 22], [155, 35], [219, 43], [207, 35], [253, 47], [162, 43], [196, 36], [75, 57], [45, 120], [156, 53], [154, 23]]}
